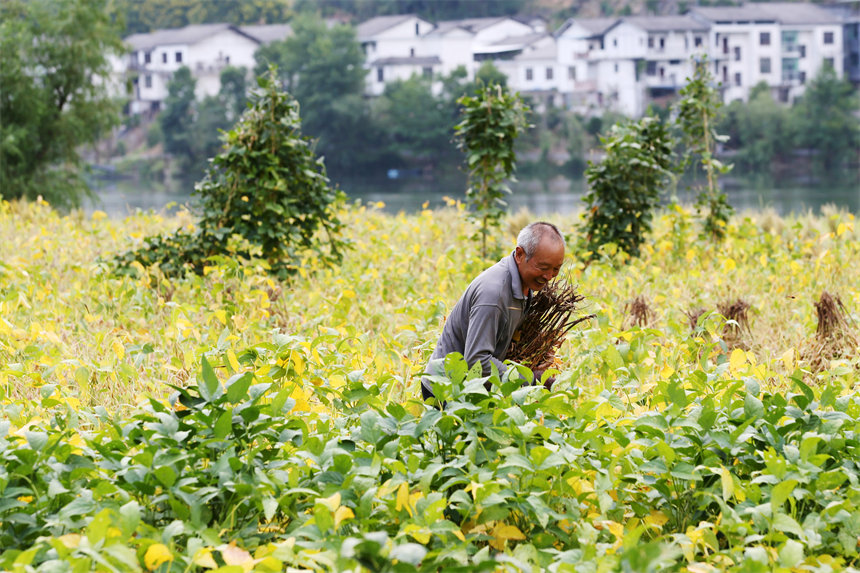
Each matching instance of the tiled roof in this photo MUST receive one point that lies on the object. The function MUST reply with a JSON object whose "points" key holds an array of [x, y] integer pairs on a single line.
{"points": [[187, 35]]}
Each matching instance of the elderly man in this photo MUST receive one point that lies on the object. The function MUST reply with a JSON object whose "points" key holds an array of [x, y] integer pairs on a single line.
{"points": [[484, 319]]}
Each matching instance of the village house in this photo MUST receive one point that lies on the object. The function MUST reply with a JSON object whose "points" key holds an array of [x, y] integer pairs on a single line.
{"points": [[206, 49]]}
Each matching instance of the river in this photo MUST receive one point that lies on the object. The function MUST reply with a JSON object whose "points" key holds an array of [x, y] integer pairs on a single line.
{"points": [[555, 195]]}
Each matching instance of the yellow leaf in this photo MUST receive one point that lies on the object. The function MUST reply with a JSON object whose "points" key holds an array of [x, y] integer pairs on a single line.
{"points": [[234, 362], [737, 360], [728, 483], [349, 294], [118, 349], [418, 533], [788, 359], [667, 372], [298, 362], [70, 540], [233, 555], [342, 513], [763, 260], [221, 315], [840, 229], [402, 501], [332, 502], [204, 558], [156, 554], [729, 265], [416, 248], [656, 519], [502, 533]]}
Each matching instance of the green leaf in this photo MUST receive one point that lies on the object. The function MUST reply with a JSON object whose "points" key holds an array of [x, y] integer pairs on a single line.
{"points": [[780, 493], [787, 524], [224, 424], [237, 387], [165, 475], [211, 387], [753, 407]]}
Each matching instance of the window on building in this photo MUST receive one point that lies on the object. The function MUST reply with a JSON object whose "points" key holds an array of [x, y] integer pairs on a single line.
{"points": [[380, 75], [789, 69], [178, 57], [427, 72], [737, 53], [530, 74], [411, 52], [738, 79], [802, 51], [828, 37], [164, 58], [651, 68], [571, 73], [674, 62], [764, 65], [616, 68], [802, 76], [615, 42], [662, 43], [697, 41], [147, 81], [147, 57], [417, 29], [549, 72], [764, 39], [855, 60], [828, 63], [650, 42]]}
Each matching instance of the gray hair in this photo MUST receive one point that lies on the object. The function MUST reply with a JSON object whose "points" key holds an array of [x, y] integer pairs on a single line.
{"points": [[532, 234]]}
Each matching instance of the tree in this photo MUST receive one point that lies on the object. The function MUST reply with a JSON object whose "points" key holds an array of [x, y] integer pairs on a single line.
{"points": [[759, 130], [149, 15], [698, 110], [419, 124], [55, 94], [624, 188], [177, 118], [323, 68], [492, 120], [825, 119], [265, 194]]}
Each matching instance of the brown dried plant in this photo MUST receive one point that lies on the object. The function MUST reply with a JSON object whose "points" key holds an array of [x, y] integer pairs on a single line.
{"points": [[549, 317], [638, 312], [737, 325], [693, 317], [834, 337]]}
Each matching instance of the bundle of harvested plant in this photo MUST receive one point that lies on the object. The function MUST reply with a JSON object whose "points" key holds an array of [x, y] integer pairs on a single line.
{"points": [[737, 323], [693, 316], [638, 312], [834, 336], [549, 317]]}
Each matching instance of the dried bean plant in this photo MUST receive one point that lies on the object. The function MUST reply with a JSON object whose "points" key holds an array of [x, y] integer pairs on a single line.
{"points": [[550, 316]]}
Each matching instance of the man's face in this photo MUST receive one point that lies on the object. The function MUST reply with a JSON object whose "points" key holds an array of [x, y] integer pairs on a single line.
{"points": [[543, 266]]}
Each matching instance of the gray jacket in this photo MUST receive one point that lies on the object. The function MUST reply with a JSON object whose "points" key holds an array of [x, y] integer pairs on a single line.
{"points": [[484, 320]]}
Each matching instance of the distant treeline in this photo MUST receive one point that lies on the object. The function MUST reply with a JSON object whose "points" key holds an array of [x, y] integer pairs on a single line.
{"points": [[412, 124]]}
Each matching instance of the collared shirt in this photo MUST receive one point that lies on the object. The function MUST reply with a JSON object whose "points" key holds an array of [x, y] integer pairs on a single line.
{"points": [[484, 319]]}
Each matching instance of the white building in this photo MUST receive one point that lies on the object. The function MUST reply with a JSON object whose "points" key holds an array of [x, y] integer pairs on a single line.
{"points": [[781, 44], [531, 64], [206, 49], [395, 50]]}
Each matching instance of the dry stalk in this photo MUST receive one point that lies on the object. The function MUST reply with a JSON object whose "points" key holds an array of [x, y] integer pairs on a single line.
{"points": [[737, 323], [550, 316], [693, 317], [638, 312], [834, 336]]}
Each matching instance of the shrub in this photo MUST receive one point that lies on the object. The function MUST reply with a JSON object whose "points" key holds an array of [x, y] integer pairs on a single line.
{"points": [[266, 194]]}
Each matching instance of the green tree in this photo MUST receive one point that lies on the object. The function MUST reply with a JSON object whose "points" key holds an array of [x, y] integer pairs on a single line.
{"points": [[624, 188], [492, 120], [149, 15], [265, 194], [419, 124], [826, 119], [55, 93], [323, 68], [697, 110], [177, 118], [760, 130]]}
